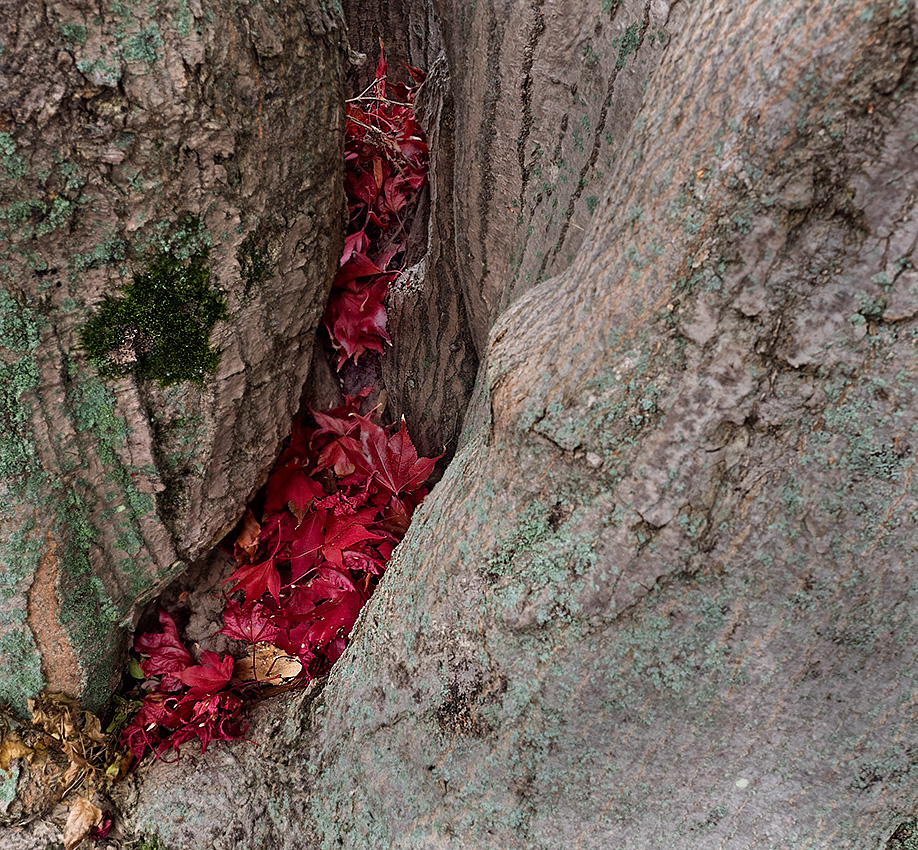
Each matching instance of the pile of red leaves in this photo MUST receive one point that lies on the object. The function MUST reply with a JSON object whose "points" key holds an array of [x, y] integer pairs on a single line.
{"points": [[340, 498], [386, 161], [342, 492], [183, 700]]}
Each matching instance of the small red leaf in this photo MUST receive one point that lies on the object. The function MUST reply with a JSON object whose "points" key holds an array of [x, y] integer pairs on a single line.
{"points": [[167, 653], [252, 623], [254, 580], [209, 677]]}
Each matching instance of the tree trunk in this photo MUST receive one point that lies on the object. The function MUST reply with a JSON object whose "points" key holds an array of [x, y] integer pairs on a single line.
{"points": [[139, 144], [662, 596]]}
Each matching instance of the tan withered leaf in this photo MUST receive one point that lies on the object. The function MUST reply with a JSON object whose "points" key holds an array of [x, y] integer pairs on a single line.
{"points": [[12, 747], [247, 541], [92, 728], [82, 818], [55, 713], [71, 774], [268, 663]]}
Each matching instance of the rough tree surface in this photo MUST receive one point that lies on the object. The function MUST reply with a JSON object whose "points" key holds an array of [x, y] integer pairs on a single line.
{"points": [[663, 595], [137, 140]]}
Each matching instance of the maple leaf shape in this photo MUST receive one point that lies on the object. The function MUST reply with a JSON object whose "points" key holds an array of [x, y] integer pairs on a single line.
{"points": [[369, 561], [356, 242], [254, 580], [144, 732], [359, 265], [356, 318], [330, 620], [342, 532], [209, 677], [207, 719], [290, 487], [304, 550], [338, 421], [320, 610], [167, 654], [253, 623], [337, 456], [393, 460]]}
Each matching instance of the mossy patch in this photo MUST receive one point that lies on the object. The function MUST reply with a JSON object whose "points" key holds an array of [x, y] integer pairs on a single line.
{"points": [[160, 325]]}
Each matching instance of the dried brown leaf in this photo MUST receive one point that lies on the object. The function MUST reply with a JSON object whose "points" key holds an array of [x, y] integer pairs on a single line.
{"points": [[92, 728], [70, 774], [12, 747], [83, 816], [268, 663]]}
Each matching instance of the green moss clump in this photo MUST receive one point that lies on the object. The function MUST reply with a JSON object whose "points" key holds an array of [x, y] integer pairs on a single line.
{"points": [[160, 327]]}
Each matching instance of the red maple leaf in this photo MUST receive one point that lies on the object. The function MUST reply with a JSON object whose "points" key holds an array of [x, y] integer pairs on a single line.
{"points": [[320, 610], [209, 677], [253, 623], [290, 487], [393, 460], [356, 318], [254, 580], [305, 548], [337, 456], [328, 621], [167, 654], [214, 717], [342, 532]]}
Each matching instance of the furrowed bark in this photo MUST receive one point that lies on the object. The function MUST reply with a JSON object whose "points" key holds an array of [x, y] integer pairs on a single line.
{"points": [[131, 134], [663, 596]]}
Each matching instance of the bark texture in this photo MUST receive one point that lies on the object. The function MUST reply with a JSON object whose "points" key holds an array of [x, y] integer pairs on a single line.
{"points": [[131, 133], [664, 595]]}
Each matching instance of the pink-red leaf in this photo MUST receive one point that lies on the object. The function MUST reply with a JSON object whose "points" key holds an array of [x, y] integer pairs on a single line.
{"points": [[252, 623], [254, 580], [394, 460], [167, 654], [342, 532], [290, 487], [209, 677]]}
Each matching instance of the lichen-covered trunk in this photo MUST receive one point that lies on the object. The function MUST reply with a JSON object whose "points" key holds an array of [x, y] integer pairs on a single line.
{"points": [[663, 596], [170, 203]]}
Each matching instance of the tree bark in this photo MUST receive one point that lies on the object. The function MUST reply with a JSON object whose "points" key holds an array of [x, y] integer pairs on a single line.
{"points": [[663, 595], [130, 137]]}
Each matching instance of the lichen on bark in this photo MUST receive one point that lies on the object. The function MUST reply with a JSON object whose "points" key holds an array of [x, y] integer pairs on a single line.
{"points": [[119, 130]]}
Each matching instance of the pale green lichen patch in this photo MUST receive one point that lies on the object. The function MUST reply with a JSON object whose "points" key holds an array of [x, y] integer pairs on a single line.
{"points": [[67, 502], [20, 667]]}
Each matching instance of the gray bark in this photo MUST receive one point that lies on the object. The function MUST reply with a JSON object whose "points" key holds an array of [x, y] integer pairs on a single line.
{"points": [[118, 123], [663, 596]]}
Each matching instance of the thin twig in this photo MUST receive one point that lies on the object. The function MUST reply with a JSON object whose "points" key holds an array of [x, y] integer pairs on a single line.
{"points": [[360, 98], [372, 85]]}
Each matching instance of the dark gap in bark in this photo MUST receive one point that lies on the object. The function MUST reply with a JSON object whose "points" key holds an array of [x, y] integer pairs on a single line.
{"points": [[196, 598]]}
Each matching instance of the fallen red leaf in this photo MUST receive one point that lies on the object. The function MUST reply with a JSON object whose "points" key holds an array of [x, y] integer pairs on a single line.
{"points": [[166, 654], [253, 623], [254, 580], [209, 677]]}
